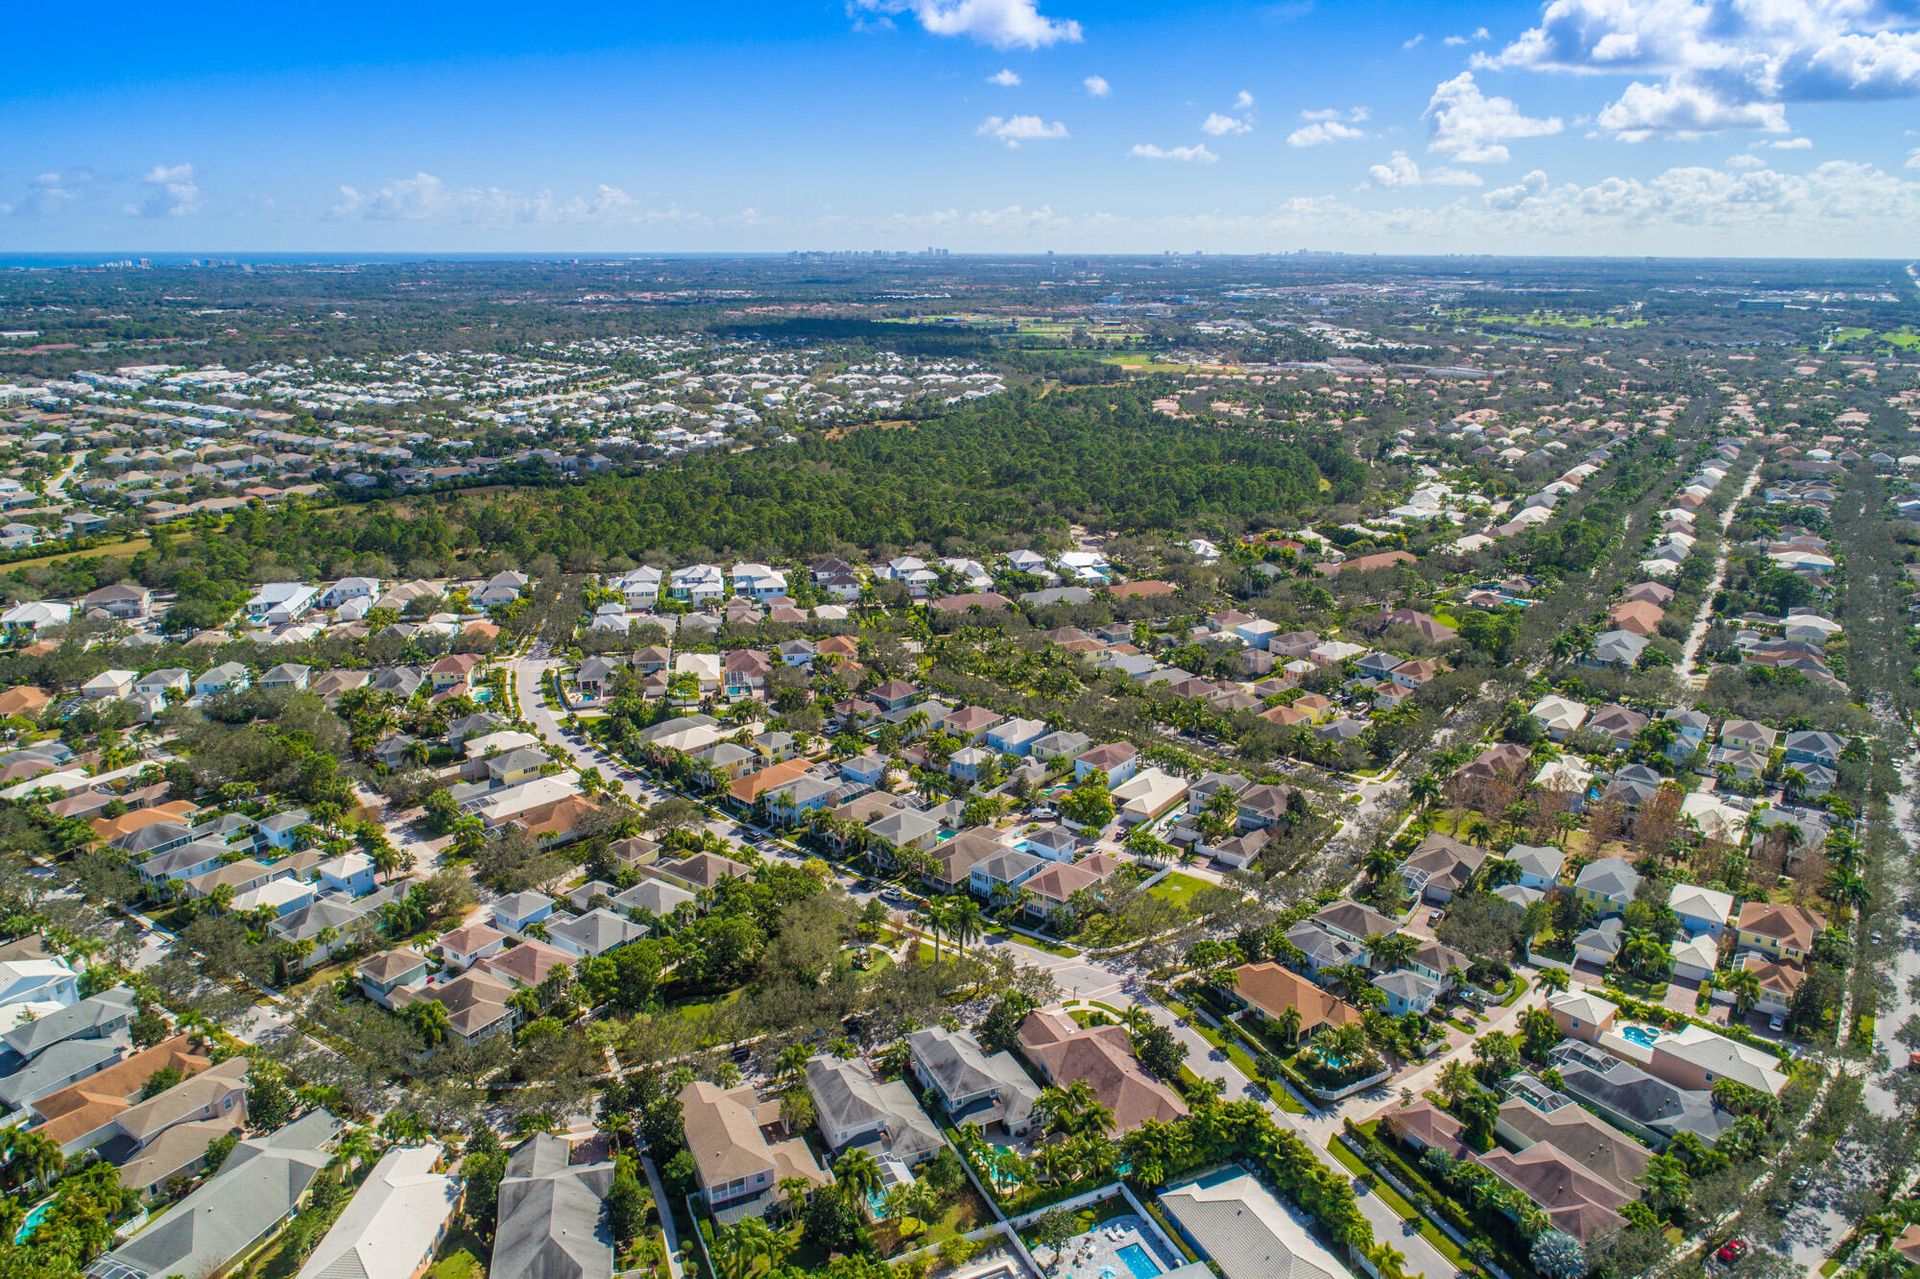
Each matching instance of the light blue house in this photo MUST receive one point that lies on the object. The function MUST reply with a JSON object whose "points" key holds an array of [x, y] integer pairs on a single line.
{"points": [[1006, 870], [1407, 991], [278, 830], [520, 911], [349, 873]]}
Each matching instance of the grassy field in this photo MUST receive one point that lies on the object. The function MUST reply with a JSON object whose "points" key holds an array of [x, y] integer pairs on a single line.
{"points": [[1906, 337], [1178, 890], [1147, 364], [1549, 319], [131, 546]]}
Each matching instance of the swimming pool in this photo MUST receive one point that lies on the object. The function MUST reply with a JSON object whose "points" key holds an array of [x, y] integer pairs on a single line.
{"points": [[1140, 1261], [1642, 1035], [32, 1222]]}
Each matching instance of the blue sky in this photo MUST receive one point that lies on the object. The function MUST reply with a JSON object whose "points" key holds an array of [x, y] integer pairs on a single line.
{"points": [[1576, 126]]}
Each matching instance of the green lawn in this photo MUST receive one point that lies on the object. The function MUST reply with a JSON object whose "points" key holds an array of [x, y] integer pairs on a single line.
{"points": [[1178, 890], [458, 1264]]}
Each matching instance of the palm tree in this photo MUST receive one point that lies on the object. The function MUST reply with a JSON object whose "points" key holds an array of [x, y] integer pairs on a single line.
{"points": [[1288, 1024], [1456, 1081], [430, 1021], [35, 1156], [1075, 1110], [1554, 980], [857, 1173], [1744, 985], [737, 1247], [793, 1061], [965, 921], [932, 917], [1390, 950]]}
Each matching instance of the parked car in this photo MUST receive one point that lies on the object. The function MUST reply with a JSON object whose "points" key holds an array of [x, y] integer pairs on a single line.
{"points": [[1731, 1251]]}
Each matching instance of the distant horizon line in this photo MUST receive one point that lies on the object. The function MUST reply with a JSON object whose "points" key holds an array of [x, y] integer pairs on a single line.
{"points": [[41, 259]]}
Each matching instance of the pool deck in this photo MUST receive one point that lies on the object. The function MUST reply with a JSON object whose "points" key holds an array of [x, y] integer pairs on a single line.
{"points": [[1094, 1254]]}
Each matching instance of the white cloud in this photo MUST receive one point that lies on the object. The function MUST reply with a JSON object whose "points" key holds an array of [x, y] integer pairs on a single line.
{"points": [[1220, 125], [1006, 78], [1838, 207], [1096, 86], [425, 198], [1913, 158], [1471, 128], [1791, 144], [1401, 170], [173, 192], [1191, 155], [1678, 109], [1531, 187], [1479, 34], [1725, 64], [1745, 160], [1413, 42], [1013, 130], [47, 194], [1003, 24], [1322, 132]]}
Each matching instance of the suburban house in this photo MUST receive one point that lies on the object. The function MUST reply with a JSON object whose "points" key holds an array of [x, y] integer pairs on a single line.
{"points": [[1701, 910], [394, 1223], [1270, 991], [1103, 1056], [853, 1108], [737, 1167], [382, 975], [971, 1085], [1440, 867], [1780, 930], [260, 1186], [1607, 884], [552, 1214]]}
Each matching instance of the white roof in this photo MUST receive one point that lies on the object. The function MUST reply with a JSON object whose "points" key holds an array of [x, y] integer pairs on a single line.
{"points": [[275, 894], [392, 1224], [1699, 953], [1247, 1232], [1582, 1006], [1700, 903], [1559, 712], [1722, 1057]]}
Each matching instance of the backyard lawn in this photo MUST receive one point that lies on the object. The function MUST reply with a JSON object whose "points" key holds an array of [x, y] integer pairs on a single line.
{"points": [[1178, 890]]}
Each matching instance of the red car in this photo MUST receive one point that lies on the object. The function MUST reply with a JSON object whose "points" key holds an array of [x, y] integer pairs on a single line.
{"points": [[1730, 1251]]}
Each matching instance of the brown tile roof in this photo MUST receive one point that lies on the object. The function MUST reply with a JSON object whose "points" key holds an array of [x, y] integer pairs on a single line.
{"points": [[1103, 1056], [1574, 1199], [1425, 1124], [389, 964], [527, 964], [750, 787], [112, 828], [1273, 989], [1784, 923], [80, 1108], [1592, 1143]]}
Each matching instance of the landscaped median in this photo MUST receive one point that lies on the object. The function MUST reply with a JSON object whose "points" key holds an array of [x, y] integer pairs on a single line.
{"points": [[1235, 1046], [1442, 1242]]}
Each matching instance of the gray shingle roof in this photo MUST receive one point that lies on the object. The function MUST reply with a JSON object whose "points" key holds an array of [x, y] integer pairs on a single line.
{"points": [[553, 1221], [260, 1184]]}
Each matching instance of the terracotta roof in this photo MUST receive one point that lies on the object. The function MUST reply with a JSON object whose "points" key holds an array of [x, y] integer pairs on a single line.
{"points": [[80, 1108], [1782, 922], [1103, 1056], [527, 964], [1273, 989], [1426, 1125], [753, 785]]}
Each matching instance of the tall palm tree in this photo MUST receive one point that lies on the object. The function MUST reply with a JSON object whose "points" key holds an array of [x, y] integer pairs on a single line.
{"points": [[857, 1173], [1553, 979], [793, 1061], [1390, 950], [965, 921], [1744, 985], [737, 1247]]}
